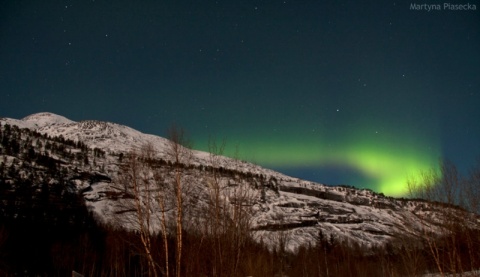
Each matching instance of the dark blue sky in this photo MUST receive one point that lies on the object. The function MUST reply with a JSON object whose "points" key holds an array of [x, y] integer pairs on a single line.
{"points": [[357, 92]]}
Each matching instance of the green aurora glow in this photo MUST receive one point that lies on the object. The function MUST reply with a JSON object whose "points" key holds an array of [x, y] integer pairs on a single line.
{"points": [[387, 159]]}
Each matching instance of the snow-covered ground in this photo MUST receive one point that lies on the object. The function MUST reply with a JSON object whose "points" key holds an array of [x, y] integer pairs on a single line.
{"points": [[280, 205]]}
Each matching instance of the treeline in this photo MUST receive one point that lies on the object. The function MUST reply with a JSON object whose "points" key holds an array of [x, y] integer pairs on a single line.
{"points": [[43, 150], [41, 249]]}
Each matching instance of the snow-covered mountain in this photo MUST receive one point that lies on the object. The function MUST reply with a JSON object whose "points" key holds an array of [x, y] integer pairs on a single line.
{"points": [[281, 207]]}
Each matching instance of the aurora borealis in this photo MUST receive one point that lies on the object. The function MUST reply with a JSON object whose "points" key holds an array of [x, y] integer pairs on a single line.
{"points": [[338, 92], [368, 158]]}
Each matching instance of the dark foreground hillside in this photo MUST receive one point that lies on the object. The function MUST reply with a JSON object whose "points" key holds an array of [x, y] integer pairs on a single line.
{"points": [[31, 247]]}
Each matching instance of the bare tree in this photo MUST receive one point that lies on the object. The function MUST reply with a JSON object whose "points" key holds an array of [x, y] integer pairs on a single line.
{"points": [[148, 188], [447, 228], [135, 176], [228, 211], [178, 150], [149, 157], [471, 195], [471, 202], [161, 198]]}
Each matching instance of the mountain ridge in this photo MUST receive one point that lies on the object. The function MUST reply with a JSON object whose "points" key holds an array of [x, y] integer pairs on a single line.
{"points": [[280, 204]]}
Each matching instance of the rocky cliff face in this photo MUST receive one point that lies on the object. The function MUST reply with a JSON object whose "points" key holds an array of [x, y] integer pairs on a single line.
{"points": [[43, 152]]}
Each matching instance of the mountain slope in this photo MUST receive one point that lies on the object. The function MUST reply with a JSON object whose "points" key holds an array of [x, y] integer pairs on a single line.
{"points": [[87, 158]]}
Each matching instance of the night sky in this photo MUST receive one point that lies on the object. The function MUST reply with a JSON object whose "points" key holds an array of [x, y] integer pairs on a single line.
{"points": [[363, 93]]}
